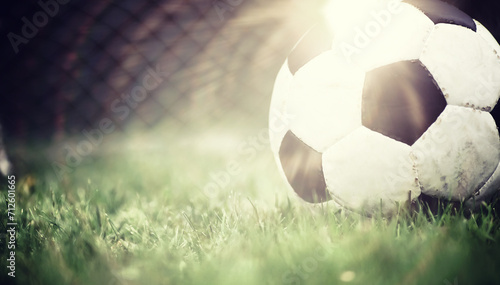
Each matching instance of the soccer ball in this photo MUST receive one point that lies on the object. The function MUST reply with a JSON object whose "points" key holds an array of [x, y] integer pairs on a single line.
{"points": [[375, 110]]}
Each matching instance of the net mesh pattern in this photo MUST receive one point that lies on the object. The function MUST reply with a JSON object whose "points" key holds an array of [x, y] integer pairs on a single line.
{"points": [[199, 58]]}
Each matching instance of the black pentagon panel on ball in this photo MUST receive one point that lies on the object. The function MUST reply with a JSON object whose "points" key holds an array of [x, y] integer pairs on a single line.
{"points": [[317, 40], [401, 100], [443, 13], [303, 169]]}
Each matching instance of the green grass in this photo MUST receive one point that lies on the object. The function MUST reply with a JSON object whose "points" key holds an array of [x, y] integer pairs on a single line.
{"points": [[139, 215]]}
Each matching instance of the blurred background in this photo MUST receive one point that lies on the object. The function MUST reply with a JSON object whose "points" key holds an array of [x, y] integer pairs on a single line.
{"points": [[69, 64]]}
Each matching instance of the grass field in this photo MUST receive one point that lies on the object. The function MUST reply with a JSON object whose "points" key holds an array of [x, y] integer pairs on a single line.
{"points": [[140, 212]]}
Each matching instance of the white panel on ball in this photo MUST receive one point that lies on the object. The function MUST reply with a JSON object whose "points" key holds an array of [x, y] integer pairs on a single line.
{"points": [[464, 65], [325, 100], [486, 193], [367, 169], [457, 154], [278, 119], [488, 37], [372, 45]]}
